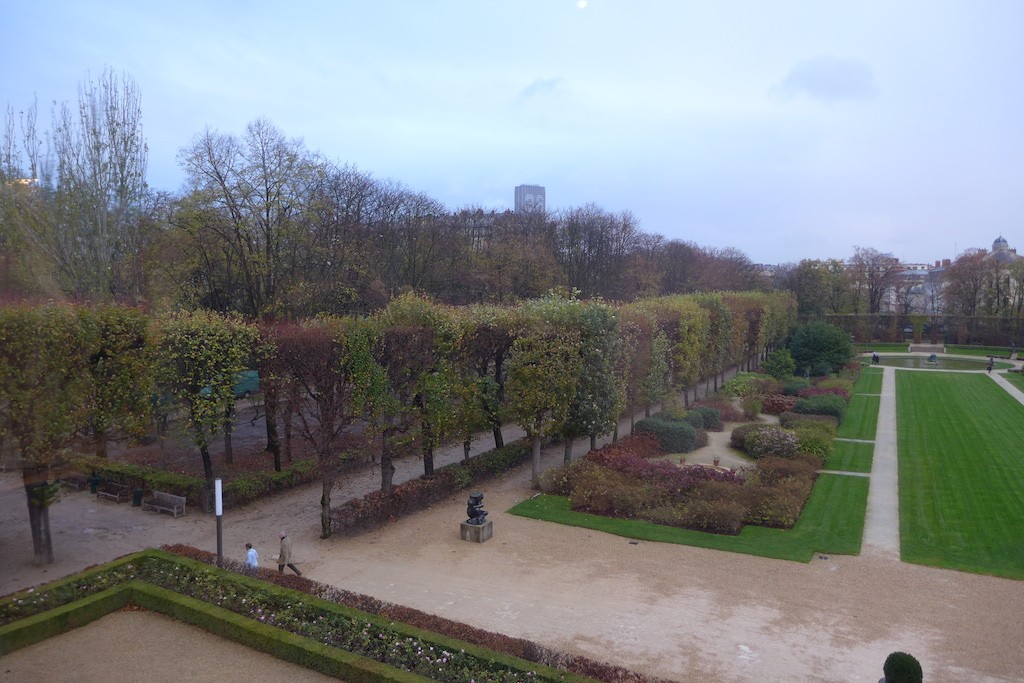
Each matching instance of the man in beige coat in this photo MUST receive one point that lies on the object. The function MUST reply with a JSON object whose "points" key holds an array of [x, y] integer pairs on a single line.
{"points": [[285, 557]]}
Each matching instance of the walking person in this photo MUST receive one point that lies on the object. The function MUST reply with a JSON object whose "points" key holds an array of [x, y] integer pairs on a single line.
{"points": [[285, 556], [252, 558], [991, 360]]}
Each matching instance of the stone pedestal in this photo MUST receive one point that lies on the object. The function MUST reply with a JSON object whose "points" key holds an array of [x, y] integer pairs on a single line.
{"points": [[477, 533]]}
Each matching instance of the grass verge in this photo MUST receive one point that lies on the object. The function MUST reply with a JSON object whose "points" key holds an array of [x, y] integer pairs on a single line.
{"points": [[832, 522], [861, 418], [869, 381], [961, 473], [851, 456]]}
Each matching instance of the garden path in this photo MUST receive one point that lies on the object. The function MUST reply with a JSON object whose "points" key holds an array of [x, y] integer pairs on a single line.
{"points": [[882, 521]]}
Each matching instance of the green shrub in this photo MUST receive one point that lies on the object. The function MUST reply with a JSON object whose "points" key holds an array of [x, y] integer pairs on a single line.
{"points": [[738, 438], [744, 383], [826, 404], [751, 404], [771, 507], [779, 364], [561, 480], [696, 419], [674, 436], [793, 385], [816, 438], [836, 383], [712, 417], [720, 516], [789, 420]]}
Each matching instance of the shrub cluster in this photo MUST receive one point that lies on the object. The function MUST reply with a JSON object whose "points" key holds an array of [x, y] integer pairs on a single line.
{"points": [[815, 437], [616, 482], [791, 419], [793, 385], [727, 411], [776, 404], [770, 440]]}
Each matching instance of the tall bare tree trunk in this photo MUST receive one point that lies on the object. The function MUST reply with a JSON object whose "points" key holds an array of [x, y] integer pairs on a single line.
{"points": [[535, 473], [229, 426], [270, 410], [37, 497], [568, 450], [327, 485], [387, 466]]}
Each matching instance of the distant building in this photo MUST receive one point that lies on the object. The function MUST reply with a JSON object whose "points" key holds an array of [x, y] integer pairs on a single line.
{"points": [[530, 199]]}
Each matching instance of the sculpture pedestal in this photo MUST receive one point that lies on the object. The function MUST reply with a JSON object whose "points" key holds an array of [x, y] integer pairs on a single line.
{"points": [[477, 533]]}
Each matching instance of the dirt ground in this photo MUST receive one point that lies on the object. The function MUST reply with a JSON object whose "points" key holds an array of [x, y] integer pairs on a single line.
{"points": [[686, 614]]}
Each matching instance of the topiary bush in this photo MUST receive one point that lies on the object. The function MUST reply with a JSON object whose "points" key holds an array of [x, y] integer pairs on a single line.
{"points": [[738, 437], [744, 383], [779, 364]]}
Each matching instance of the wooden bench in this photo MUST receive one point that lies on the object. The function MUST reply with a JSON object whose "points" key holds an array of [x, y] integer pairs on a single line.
{"points": [[118, 493], [160, 501]]}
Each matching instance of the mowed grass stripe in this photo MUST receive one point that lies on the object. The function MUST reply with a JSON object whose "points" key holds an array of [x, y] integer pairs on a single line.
{"points": [[869, 382], [851, 456], [832, 522], [961, 472], [861, 418]]}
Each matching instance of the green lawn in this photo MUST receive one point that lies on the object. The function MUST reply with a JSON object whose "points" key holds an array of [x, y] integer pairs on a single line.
{"points": [[961, 473], [881, 346], [832, 522], [1015, 378], [861, 418], [869, 382], [851, 456]]}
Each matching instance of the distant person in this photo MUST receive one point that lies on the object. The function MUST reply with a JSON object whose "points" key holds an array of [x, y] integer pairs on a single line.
{"points": [[991, 361], [874, 358], [285, 556], [252, 558]]}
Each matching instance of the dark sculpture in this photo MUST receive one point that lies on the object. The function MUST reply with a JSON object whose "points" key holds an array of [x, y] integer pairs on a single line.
{"points": [[475, 509]]}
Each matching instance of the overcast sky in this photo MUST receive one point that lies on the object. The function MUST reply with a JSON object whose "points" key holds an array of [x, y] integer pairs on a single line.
{"points": [[785, 129]]}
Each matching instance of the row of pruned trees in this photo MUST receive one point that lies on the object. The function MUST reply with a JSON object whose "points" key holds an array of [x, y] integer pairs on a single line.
{"points": [[415, 374]]}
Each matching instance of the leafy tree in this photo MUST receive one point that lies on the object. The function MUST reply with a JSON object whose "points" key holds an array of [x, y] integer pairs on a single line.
{"points": [[779, 364], [819, 348], [338, 382], [43, 401], [198, 356], [543, 371], [120, 372]]}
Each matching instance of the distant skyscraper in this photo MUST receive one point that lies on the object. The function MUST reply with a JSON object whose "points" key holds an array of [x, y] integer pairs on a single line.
{"points": [[529, 198]]}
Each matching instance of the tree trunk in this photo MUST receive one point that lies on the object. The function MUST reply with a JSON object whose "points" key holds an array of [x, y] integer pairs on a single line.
{"points": [[465, 449], [37, 497], [204, 451], [229, 425], [615, 432], [428, 461], [499, 440], [101, 443], [387, 467], [327, 484], [647, 410], [273, 442], [593, 440], [568, 450], [535, 473], [632, 421], [289, 416]]}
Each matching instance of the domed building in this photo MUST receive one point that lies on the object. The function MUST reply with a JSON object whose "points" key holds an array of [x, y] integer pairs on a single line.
{"points": [[1002, 252]]}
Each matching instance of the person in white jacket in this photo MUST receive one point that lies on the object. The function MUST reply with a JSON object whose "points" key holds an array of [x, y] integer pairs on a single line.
{"points": [[252, 558]]}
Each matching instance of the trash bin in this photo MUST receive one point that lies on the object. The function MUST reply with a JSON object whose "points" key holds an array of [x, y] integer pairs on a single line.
{"points": [[137, 497]]}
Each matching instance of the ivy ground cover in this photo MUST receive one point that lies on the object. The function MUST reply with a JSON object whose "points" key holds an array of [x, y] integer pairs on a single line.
{"points": [[961, 473], [832, 522]]}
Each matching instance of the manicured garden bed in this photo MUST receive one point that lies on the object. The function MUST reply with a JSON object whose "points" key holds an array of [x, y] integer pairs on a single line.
{"points": [[832, 522]]}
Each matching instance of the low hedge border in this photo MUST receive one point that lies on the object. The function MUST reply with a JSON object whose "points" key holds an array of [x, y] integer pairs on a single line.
{"points": [[33, 615]]}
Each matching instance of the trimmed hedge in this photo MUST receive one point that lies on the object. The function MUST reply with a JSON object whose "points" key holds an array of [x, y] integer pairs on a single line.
{"points": [[828, 404], [676, 436], [380, 507]]}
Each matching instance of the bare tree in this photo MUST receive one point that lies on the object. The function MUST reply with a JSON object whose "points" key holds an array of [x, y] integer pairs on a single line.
{"points": [[874, 275]]}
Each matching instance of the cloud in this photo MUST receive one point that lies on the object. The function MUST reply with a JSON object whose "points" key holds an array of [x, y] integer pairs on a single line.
{"points": [[828, 79], [541, 88]]}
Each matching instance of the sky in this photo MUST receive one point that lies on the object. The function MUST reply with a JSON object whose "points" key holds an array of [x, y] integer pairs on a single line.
{"points": [[787, 129]]}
